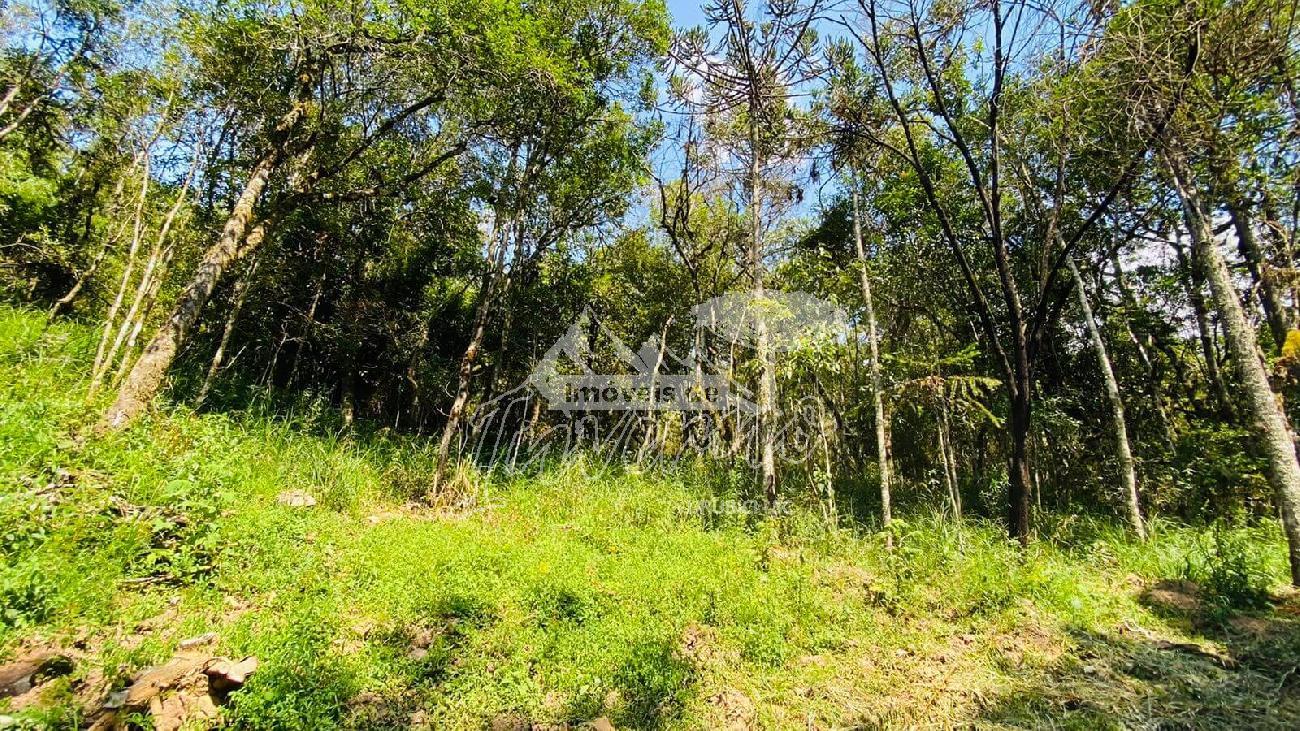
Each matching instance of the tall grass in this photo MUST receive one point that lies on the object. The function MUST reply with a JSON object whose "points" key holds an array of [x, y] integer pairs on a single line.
{"points": [[581, 589]]}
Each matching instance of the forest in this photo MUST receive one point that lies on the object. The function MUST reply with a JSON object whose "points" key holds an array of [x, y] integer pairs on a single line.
{"points": [[594, 364]]}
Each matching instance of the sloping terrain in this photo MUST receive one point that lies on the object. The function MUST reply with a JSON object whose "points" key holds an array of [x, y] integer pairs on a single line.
{"points": [[584, 594]]}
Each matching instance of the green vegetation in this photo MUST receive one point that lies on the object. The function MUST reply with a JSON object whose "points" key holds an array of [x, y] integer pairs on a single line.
{"points": [[586, 590], [541, 364]]}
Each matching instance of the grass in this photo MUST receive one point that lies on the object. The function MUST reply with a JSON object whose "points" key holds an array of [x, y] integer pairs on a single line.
{"points": [[583, 590]]}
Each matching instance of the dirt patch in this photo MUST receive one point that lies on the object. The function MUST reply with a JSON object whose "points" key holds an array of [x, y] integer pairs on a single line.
{"points": [[731, 710], [1254, 627], [1182, 597], [296, 499], [515, 722], [842, 575], [701, 647]]}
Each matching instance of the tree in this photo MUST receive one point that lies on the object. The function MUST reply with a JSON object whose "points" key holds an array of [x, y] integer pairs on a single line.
{"points": [[928, 97], [877, 395], [747, 81], [1123, 450], [332, 68]]}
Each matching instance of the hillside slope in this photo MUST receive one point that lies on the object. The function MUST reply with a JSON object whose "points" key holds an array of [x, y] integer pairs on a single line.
{"points": [[584, 592]]}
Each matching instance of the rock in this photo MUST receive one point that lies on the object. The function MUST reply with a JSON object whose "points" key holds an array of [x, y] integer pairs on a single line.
{"points": [[22, 675], [153, 681], [116, 699], [225, 676], [202, 639], [178, 693], [296, 499], [601, 724]]}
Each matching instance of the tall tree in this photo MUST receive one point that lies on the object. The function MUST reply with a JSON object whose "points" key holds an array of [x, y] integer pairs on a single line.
{"points": [[412, 76], [1123, 449], [873, 350], [930, 97], [746, 80]]}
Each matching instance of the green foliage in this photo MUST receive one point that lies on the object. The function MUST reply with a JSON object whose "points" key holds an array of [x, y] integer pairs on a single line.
{"points": [[581, 590], [179, 540], [1231, 569], [27, 594], [656, 682], [1218, 474]]}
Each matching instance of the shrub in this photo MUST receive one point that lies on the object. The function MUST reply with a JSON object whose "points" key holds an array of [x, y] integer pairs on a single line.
{"points": [[1231, 569]]}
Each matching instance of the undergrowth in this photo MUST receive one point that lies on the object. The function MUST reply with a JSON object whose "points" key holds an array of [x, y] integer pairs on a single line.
{"points": [[583, 589]]}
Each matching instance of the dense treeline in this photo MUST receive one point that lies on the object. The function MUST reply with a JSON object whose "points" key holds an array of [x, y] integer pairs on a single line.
{"points": [[1064, 234]]}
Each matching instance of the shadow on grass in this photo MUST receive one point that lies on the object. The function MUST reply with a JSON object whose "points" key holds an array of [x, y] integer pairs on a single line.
{"points": [[651, 688], [1242, 672]]}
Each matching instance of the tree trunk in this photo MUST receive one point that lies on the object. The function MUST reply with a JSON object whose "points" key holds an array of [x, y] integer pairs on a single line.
{"points": [[412, 382], [1127, 467], [348, 395], [873, 347], [146, 376], [1147, 357], [1267, 418], [507, 312], [825, 426], [651, 436], [150, 282], [349, 322], [308, 329], [948, 458], [1281, 248], [102, 356], [1195, 282], [495, 259], [1018, 466], [148, 302], [240, 294], [1275, 312], [767, 365]]}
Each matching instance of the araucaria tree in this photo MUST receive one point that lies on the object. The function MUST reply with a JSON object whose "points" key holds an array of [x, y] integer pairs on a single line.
{"points": [[1063, 235], [744, 73]]}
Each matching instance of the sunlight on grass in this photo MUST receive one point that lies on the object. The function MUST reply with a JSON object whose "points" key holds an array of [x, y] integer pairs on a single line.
{"points": [[583, 590]]}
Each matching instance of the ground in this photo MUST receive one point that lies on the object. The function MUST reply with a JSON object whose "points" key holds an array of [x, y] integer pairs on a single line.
{"points": [[580, 594]]}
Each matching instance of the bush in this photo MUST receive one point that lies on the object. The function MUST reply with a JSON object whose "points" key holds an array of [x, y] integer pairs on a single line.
{"points": [[1231, 568]]}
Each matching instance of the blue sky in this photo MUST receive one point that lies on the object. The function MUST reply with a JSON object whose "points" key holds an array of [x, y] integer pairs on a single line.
{"points": [[685, 13]]}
